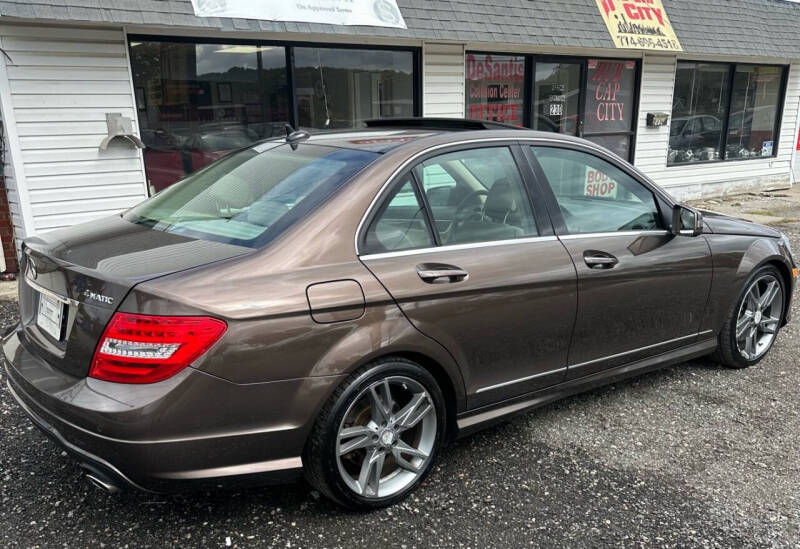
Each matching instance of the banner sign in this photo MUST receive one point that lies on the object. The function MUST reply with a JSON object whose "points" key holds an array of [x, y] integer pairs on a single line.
{"points": [[639, 25], [374, 13]]}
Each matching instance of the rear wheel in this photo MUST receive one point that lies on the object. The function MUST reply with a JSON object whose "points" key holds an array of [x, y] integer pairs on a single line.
{"points": [[377, 437], [753, 322]]}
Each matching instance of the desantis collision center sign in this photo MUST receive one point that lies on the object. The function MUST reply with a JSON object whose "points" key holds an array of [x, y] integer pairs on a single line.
{"points": [[374, 13], [494, 88]]}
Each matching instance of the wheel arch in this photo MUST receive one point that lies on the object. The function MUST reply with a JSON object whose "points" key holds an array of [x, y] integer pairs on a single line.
{"points": [[786, 274], [763, 252], [445, 382]]}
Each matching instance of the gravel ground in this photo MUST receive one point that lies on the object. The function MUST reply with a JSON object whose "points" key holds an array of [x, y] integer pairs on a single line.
{"points": [[690, 456]]}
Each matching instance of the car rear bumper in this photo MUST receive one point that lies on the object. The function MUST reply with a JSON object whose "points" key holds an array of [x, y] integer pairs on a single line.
{"points": [[189, 431]]}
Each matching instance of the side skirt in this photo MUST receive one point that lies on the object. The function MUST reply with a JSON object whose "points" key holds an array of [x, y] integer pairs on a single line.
{"points": [[475, 420]]}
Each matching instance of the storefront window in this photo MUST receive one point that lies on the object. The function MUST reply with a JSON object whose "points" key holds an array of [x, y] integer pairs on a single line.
{"points": [[557, 92], [197, 102], [704, 102], [340, 88], [754, 108], [591, 98], [618, 144], [699, 106], [495, 85]]}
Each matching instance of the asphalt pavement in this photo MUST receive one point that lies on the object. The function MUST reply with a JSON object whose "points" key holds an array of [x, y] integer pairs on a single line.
{"points": [[694, 455]]}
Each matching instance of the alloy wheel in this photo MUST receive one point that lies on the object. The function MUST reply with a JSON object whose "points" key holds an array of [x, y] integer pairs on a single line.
{"points": [[386, 437], [759, 317]]}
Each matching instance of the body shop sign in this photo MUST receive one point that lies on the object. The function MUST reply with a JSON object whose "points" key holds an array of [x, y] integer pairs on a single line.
{"points": [[599, 184], [639, 25], [494, 88], [374, 13]]}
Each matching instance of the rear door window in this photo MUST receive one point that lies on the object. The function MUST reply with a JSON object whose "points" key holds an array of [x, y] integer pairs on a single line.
{"points": [[401, 223], [485, 199]]}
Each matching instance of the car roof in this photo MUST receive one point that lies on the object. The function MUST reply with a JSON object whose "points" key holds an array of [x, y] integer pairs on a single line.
{"points": [[373, 140], [384, 139]]}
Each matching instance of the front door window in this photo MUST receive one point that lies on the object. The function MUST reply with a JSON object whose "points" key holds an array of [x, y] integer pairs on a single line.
{"points": [[595, 196]]}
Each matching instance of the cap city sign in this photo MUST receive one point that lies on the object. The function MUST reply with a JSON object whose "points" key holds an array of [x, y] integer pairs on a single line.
{"points": [[375, 13], [639, 24]]}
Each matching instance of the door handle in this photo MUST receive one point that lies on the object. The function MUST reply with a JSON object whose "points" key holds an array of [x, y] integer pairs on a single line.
{"points": [[440, 274], [599, 260]]}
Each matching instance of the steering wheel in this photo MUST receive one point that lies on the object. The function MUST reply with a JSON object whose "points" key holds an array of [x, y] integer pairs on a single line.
{"points": [[464, 202]]}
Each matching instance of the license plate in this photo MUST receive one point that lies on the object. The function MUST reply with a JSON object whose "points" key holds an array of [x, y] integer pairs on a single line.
{"points": [[49, 316]]}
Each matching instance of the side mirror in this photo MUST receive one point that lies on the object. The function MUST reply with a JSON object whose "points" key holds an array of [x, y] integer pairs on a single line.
{"points": [[686, 221]]}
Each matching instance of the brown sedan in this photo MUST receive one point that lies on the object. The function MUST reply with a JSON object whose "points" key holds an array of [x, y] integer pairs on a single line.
{"points": [[342, 304]]}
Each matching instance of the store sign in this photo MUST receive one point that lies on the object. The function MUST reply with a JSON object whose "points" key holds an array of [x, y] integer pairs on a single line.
{"points": [[374, 13], [609, 95], [599, 184], [639, 24], [494, 88]]}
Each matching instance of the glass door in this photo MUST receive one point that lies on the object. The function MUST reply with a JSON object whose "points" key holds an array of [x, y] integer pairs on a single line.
{"points": [[589, 98], [557, 97]]}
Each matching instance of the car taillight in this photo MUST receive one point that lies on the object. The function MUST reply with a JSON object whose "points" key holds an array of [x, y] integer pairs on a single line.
{"points": [[146, 349]]}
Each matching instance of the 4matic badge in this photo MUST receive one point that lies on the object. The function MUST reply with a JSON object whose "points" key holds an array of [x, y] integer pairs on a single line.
{"points": [[98, 297]]}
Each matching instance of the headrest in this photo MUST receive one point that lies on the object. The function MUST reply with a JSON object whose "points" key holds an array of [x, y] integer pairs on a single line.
{"points": [[500, 201]]}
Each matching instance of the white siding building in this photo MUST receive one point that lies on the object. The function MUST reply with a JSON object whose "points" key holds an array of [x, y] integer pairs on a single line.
{"points": [[187, 83]]}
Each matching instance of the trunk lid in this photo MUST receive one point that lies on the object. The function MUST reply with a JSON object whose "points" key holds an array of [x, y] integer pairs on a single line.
{"points": [[80, 276]]}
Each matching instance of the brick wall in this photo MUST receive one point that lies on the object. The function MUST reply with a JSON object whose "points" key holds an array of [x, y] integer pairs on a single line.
{"points": [[7, 231]]}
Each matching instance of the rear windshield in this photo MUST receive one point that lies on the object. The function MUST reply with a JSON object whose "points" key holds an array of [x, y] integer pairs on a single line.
{"points": [[250, 197]]}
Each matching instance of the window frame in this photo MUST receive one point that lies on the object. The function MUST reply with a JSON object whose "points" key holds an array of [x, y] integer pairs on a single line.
{"points": [[529, 87], [380, 208], [730, 79], [541, 217], [289, 46], [663, 202]]}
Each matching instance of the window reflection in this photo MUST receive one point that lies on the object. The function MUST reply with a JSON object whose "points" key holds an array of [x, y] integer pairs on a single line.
{"points": [[340, 88], [698, 109], [618, 144], [557, 93], [751, 127], [704, 100], [197, 102]]}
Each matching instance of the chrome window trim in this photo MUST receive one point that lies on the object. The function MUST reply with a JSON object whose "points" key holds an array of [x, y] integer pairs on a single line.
{"points": [[578, 236], [488, 141], [455, 247], [588, 362]]}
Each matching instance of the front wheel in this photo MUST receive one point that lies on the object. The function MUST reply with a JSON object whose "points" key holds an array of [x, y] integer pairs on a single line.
{"points": [[753, 323], [378, 436]]}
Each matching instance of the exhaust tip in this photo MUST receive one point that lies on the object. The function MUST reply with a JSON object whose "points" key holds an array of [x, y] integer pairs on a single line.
{"points": [[105, 485]]}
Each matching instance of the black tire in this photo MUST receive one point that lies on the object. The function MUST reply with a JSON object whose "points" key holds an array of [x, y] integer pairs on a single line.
{"points": [[319, 457], [727, 352]]}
